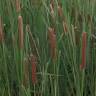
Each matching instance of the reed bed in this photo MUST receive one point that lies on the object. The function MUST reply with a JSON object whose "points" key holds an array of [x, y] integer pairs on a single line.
{"points": [[47, 48]]}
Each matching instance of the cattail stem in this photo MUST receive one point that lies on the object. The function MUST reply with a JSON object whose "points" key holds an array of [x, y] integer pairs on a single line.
{"points": [[65, 27], [34, 63], [20, 30], [52, 41], [1, 31], [84, 38], [26, 72]]}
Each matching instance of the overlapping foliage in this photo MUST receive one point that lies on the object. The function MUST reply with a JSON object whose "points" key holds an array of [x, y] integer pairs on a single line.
{"points": [[47, 48]]}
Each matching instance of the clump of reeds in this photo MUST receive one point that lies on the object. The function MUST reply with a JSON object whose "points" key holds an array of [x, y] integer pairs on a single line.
{"points": [[52, 42], [84, 41], [20, 30]]}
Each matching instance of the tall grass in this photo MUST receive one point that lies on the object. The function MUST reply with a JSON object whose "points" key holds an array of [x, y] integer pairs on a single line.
{"points": [[47, 48]]}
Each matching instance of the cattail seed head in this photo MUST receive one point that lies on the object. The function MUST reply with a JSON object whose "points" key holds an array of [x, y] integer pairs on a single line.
{"points": [[52, 42], [18, 8], [60, 11], [84, 38], [20, 30], [34, 64], [1, 31]]}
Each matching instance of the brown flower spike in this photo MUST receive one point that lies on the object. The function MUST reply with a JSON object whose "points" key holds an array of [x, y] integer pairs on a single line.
{"points": [[20, 30], [84, 38], [34, 63], [1, 30], [52, 42], [60, 11]]}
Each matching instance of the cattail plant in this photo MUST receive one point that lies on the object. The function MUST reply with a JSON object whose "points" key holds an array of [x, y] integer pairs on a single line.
{"points": [[18, 8], [1, 30], [60, 11], [84, 38], [52, 42], [20, 30], [34, 64]]}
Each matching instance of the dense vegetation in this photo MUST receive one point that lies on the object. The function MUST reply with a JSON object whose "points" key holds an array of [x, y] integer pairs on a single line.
{"points": [[47, 48]]}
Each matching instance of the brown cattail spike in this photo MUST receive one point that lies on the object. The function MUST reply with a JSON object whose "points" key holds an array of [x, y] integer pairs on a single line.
{"points": [[20, 30], [1, 30], [84, 38], [34, 63], [18, 8], [52, 41], [60, 11]]}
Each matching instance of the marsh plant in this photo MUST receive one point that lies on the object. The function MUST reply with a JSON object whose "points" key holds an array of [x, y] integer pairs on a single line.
{"points": [[47, 48]]}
